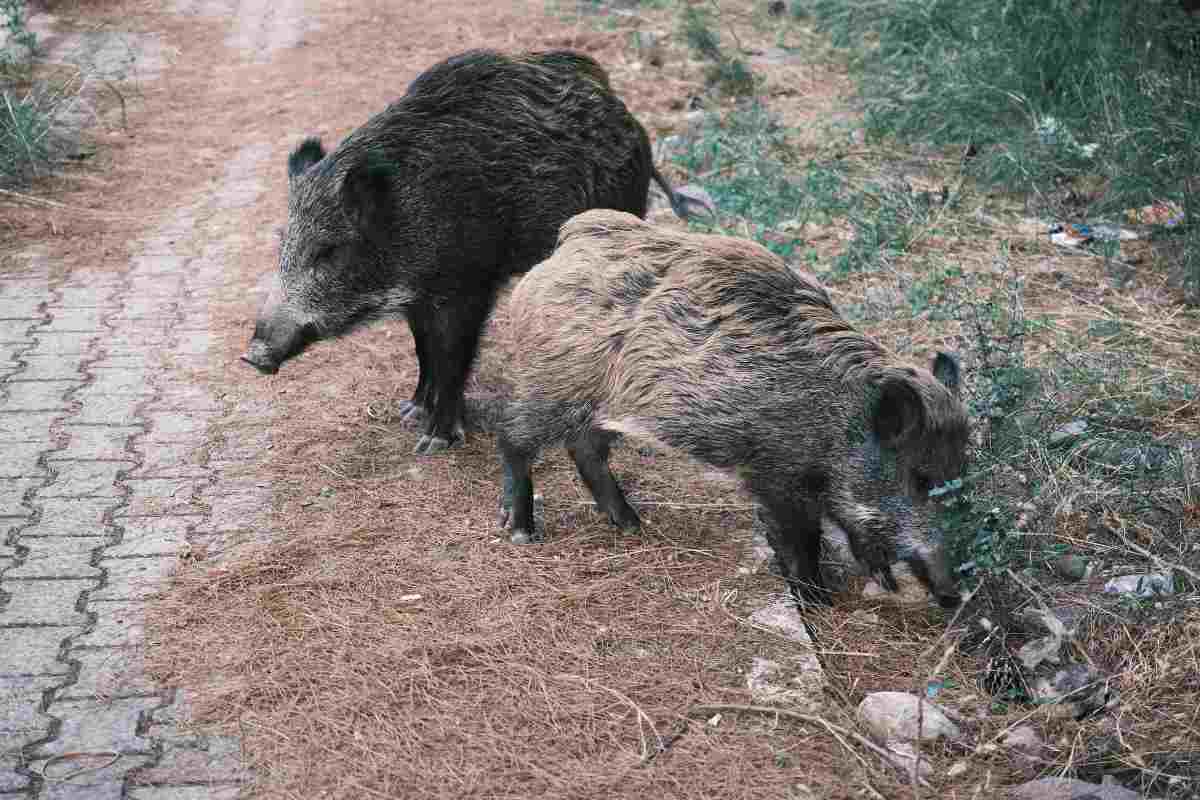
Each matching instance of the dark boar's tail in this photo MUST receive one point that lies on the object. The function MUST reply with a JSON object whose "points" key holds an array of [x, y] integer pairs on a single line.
{"points": [[682, 199]]}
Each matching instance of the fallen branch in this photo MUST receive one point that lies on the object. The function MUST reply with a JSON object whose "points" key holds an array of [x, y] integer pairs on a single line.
{"points": [[835, 730]]}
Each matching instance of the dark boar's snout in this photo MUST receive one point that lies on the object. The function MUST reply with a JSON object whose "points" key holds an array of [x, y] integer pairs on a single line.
{"points": [[275, 341]]}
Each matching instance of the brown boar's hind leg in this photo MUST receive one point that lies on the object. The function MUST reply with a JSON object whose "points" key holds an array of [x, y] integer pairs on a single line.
{"points": [[415, 410], [516, 502], [458, 325], [794, 531], [590, 452]]}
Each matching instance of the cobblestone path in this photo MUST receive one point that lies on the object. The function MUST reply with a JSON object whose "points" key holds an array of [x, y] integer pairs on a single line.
{"points": [[105, 482]]}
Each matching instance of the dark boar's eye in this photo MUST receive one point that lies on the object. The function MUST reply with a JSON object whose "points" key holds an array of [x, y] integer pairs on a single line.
{"points": [[922, 483]]}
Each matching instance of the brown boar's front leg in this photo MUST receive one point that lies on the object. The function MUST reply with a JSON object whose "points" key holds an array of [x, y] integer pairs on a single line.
{"points": [[872, 538], [590, 452]]}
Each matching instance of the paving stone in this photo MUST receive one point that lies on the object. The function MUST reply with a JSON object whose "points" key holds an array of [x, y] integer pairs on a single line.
{"points": [[12, 494], [149, 306], [98, 726], [17, 330], [184, 793], [98, 408], [20, 459], [88, 318], [58, 557], [33, 651], [10, 779], [188, 396], [105, 783], [38, 395], [195, 343], [86, 297], [51, 368], [63, 344], [26, 426], [117, 624], [134, 578], [176, 459], [218, 761], [16, 306], [86, 479], [174, 426], [109, 672], [151, 536], [160, 497], [20, 704], [71, 516], [43, 602], [97, 442], [127, 382]]}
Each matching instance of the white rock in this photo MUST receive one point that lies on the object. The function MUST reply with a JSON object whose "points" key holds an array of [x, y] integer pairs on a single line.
{"points": [[892, 716], [956, 769], [1025, 740], [1142, 585], [1069, 789]]}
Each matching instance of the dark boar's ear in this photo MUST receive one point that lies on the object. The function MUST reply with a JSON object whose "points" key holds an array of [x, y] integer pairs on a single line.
{"points": [[898, 414], [945, 369], [308, 153], [366, 195]]}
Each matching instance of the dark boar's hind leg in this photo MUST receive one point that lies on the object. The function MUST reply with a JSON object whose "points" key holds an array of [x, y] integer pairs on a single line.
{"points": [[451, 351], [590, 452], [794, 530], [417, 409]]}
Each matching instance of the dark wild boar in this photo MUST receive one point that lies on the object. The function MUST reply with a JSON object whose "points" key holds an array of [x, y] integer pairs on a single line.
{"points": [[427, 209], [713, 347]]}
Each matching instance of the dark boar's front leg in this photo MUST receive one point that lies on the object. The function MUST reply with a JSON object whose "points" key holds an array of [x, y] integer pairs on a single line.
{"points": [[450, 348]]}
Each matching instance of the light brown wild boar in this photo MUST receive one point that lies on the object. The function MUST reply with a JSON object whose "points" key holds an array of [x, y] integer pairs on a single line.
{"points": [[713, 346]]}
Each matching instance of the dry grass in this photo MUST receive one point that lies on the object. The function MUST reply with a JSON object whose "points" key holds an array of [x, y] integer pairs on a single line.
{"points": [[372, 633]]}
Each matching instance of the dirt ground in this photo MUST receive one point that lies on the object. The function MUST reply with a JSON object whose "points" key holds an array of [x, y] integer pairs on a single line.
{"points": [[362, 625]]}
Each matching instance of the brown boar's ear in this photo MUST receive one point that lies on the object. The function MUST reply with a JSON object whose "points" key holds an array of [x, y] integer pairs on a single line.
{"points": [[898, 413], [366, 195], [945, 369], [308, 153]]}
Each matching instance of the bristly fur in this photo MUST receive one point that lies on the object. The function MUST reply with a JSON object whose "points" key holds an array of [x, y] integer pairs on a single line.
{"points": [[713, 346], [430, 206]]}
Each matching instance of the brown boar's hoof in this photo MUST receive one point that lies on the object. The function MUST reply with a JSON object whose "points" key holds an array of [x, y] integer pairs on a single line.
{"points": [[428, 445], [809, 596], [410, 412], [949, 601], [626, 519]]}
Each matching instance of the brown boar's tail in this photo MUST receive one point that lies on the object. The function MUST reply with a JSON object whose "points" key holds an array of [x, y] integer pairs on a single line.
{"points": [[682, 200]]}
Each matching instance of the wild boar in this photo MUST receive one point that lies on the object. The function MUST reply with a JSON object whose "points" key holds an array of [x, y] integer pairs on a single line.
{"points": [[713, 347], [426, 210]]}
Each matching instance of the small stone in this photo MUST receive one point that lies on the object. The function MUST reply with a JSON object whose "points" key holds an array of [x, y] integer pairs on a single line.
{"points": [[956, 769], [775, 8], [714, 720], [892, 716], [1071, 567], [409, 598], [1069, 789], [1025, 740], [1069, 431], [1146, 585]]}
